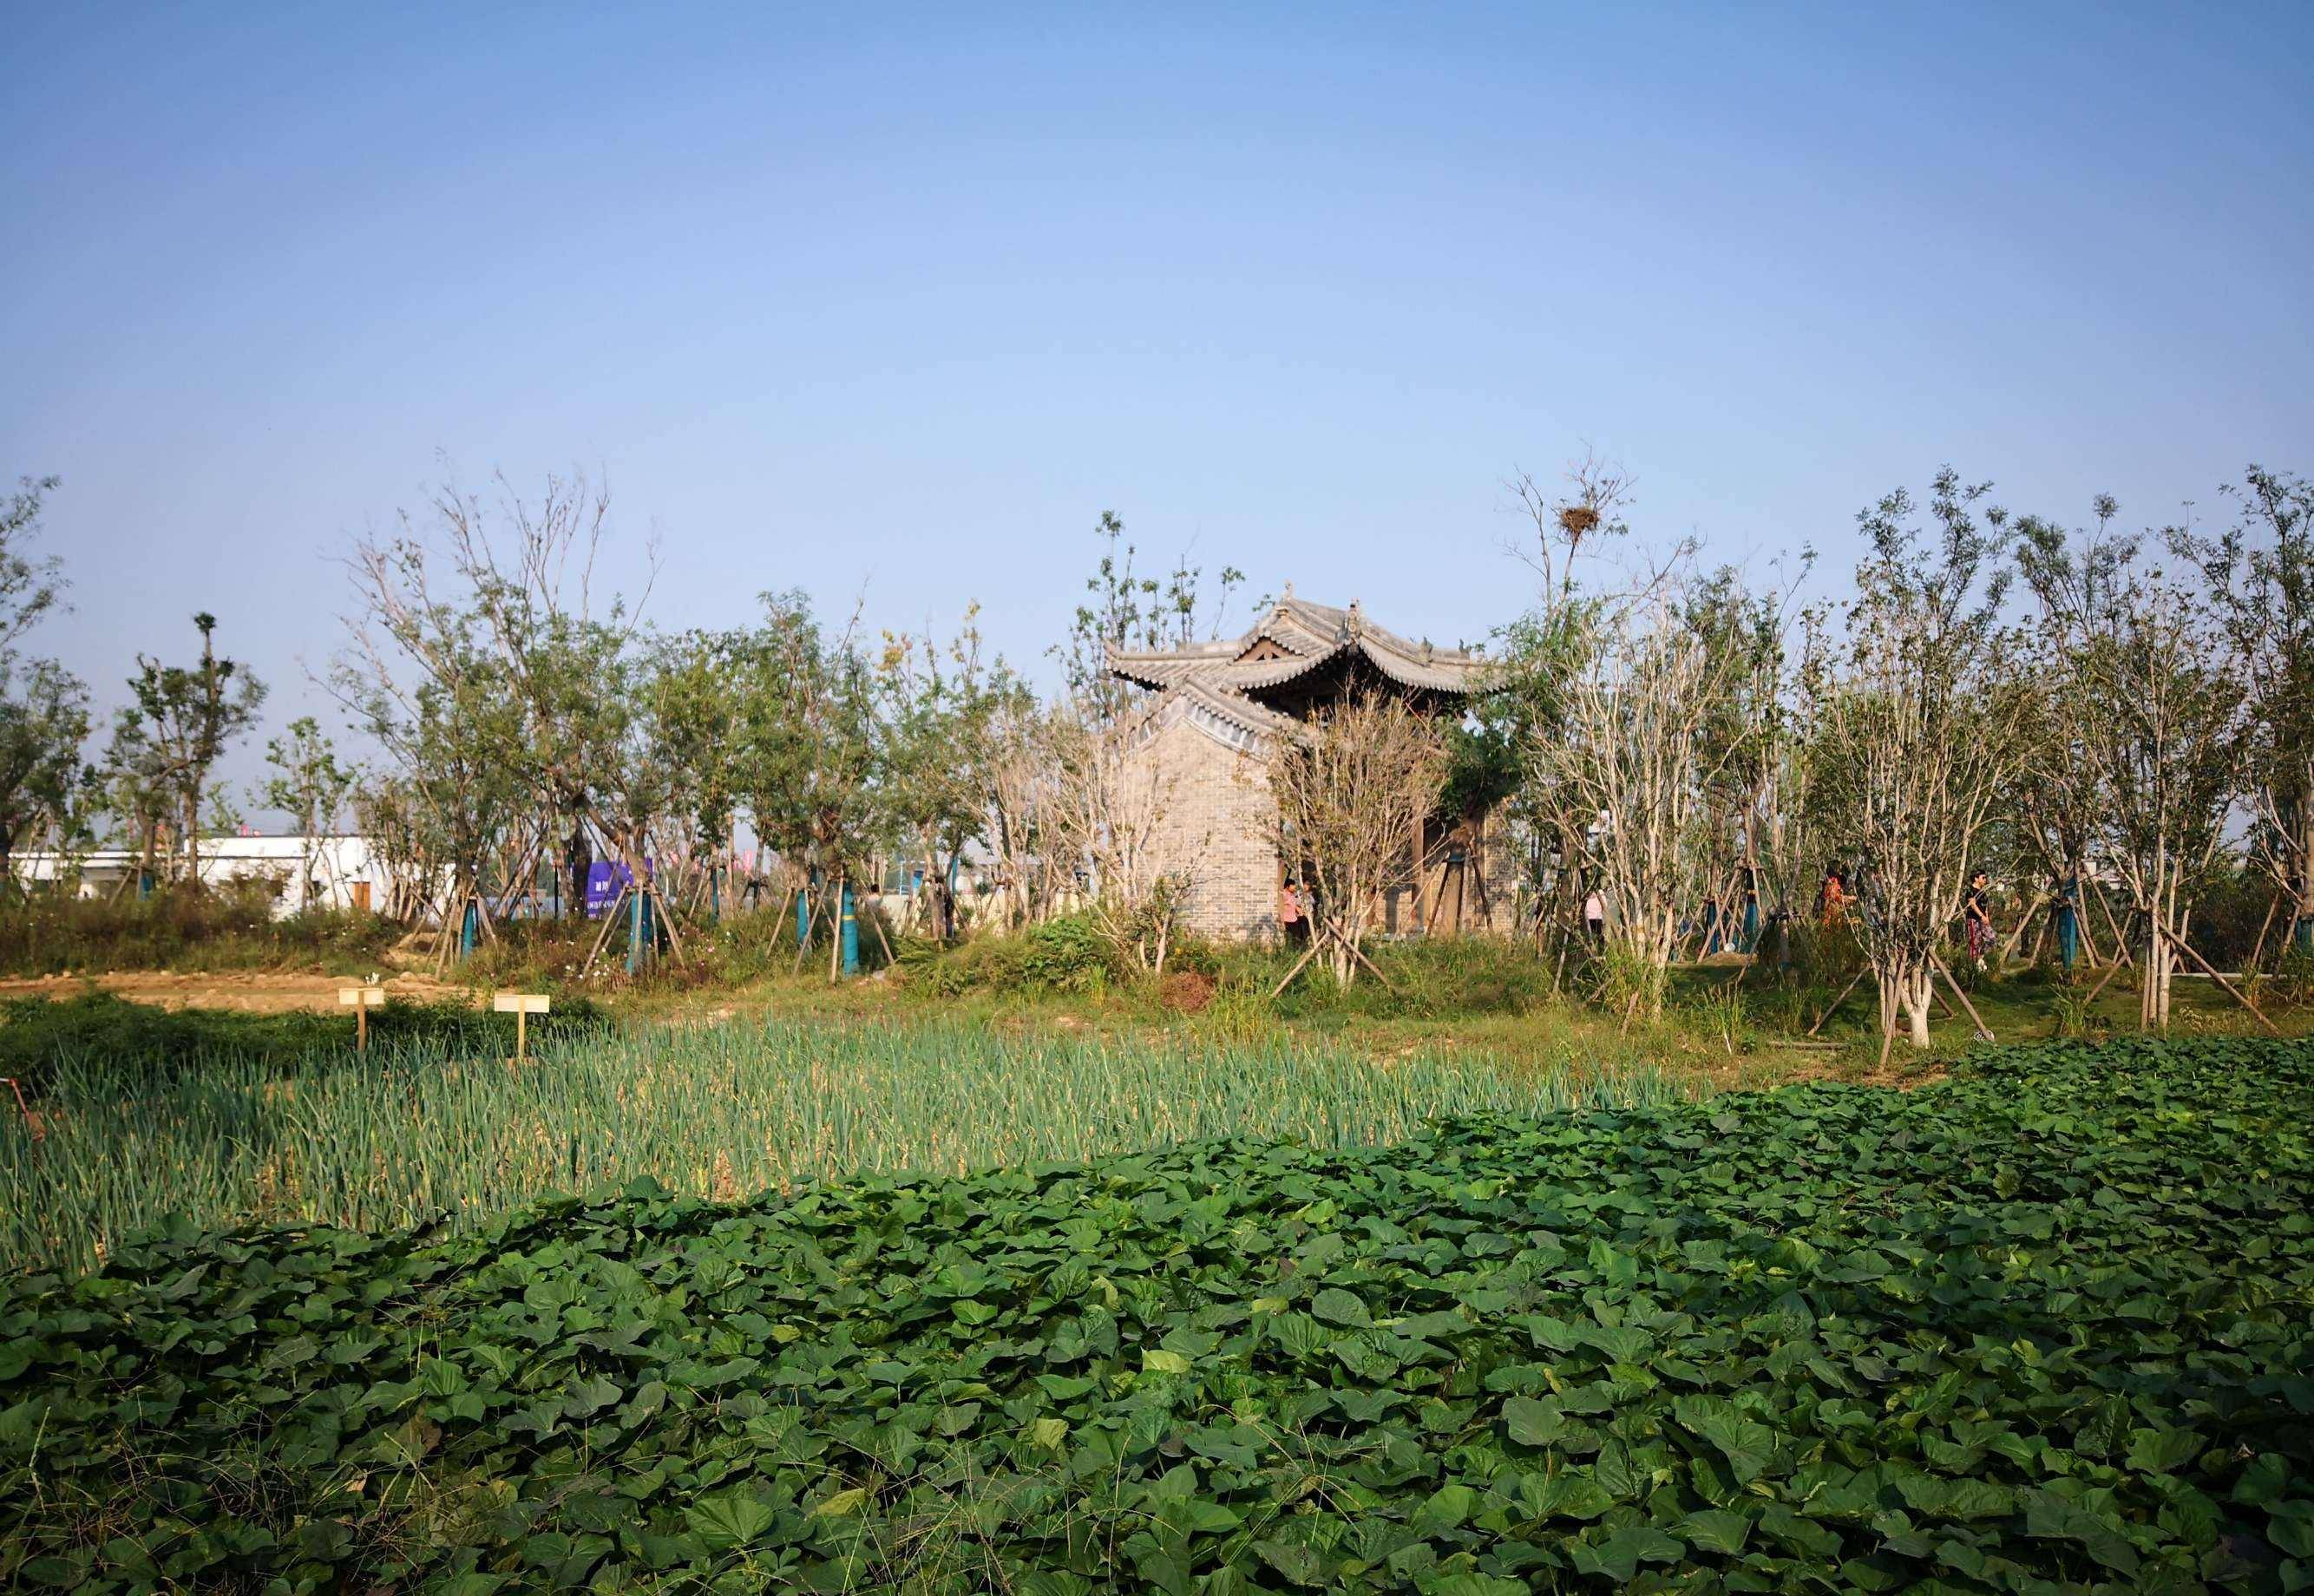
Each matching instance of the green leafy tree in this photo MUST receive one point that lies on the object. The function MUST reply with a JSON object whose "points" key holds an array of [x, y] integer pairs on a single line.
{"points": [[1918, 746], [43, 706], [937, 702], [134, 790], [2261, 577], [693, 687], [188, 716], [308, 785], [810, 745], [30, 585], [43, 783], [1126, 609], [2154, 712], [518, 702]]}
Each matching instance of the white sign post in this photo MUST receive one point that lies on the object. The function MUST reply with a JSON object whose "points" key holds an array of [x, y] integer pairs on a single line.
{"points": [[361, 1000], [522, 1005]]}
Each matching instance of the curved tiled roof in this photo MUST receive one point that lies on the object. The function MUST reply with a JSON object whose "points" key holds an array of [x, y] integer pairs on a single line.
{"points": [[1218, 677]]}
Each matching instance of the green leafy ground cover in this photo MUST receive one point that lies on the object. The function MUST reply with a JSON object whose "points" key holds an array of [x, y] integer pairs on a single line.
{"points": [[2045, 1328]]}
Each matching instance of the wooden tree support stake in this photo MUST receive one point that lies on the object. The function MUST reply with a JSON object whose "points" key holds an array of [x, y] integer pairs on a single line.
{"points": [[1982, 1031], [2103, 981], [603, 937], [1837, 1001], [1308, 954], [2233, 991]]}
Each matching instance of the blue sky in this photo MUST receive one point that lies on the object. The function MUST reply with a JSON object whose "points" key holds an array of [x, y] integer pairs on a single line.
{"points": [[902, 300]]}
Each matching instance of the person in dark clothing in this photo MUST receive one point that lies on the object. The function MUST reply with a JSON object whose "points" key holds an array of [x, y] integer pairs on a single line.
{"points": [[1976, 916]]}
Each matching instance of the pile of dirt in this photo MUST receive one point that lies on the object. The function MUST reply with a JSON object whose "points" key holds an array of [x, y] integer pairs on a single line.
{"points": [[1186, 991]]}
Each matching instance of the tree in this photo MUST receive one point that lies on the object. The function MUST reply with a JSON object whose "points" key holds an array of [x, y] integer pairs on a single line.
{"points": [[1110, 829], [310, 786], [1351, 791], [1019, 759], [43, 706], [1919, 726], [1543, 654], [188, 716], [43, 723], [1647, 737], [1125, 609], [29, 587], [478, 648], [2153, 712], [937, 702], [809, 745], [2261, 576], [134, 790], [694, 687], [394, 820]]}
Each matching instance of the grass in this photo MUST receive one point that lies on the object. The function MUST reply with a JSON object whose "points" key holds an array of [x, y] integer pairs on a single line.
{"points": [[185, 929], [112, 1046], [713, 1110]]}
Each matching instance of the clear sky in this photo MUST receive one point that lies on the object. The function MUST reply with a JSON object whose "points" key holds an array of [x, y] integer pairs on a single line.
{"points": [[843, 297]]}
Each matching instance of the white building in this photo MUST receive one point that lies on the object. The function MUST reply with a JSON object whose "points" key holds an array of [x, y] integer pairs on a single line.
{"points": [[317, 872]]}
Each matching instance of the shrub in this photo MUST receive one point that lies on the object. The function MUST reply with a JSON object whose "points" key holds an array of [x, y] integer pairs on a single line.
{"points": [[1067, 954]]}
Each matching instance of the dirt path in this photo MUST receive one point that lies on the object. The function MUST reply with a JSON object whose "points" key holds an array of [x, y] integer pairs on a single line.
{"points": [[251, 991]]}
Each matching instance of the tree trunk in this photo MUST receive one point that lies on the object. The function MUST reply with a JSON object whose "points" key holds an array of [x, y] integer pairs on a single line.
{"points": [[1907, 995]]}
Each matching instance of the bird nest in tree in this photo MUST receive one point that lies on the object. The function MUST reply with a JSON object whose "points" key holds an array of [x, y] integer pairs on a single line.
{"points": [[1576, 519]]}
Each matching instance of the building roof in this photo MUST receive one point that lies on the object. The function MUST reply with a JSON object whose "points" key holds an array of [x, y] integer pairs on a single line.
{"points": [[1221, 677]]}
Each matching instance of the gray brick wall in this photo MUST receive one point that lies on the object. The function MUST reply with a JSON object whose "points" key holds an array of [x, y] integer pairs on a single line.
{"points": [[1212, 808]]}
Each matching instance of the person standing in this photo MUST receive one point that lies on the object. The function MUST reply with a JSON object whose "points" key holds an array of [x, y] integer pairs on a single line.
{"points": [[1834, 899], [1595, 917], [1976, 916], [1289, 910]]}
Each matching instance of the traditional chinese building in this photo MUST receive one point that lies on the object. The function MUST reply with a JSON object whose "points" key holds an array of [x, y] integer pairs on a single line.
{"points": [[1200, 743]]}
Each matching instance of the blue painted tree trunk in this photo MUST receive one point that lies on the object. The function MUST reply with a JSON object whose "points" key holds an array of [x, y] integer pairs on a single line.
{"points": [[851, 932]]}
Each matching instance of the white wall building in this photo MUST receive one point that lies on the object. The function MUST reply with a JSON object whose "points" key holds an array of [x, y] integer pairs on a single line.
{"points": [[320, 872]]}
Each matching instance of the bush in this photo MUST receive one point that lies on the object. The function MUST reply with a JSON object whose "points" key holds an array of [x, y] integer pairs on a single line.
{"points": [[1066, 954]]}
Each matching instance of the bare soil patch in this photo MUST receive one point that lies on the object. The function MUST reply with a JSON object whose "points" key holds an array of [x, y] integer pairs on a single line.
{"points": [[251, 991]]}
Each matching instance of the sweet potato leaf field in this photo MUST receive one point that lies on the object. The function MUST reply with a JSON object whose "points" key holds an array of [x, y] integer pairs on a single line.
{"points": [[2047, 1326]]}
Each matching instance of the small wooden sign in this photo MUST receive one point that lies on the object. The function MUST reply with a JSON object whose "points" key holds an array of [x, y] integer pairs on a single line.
{"points": [[522, 1005], [361, 1000]]}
